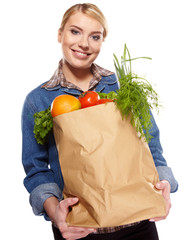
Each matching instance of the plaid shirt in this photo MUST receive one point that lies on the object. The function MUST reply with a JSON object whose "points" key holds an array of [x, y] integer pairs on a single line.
{"points": [[58, 78]]}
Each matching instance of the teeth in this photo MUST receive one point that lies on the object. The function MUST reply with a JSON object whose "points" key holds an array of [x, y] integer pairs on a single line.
{"points": [[82, 54]]}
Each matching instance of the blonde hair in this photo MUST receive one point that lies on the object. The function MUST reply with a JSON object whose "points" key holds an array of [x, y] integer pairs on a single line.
{"points": [[89, 9]]}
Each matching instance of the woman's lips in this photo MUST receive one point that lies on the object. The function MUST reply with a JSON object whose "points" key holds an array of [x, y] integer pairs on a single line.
{"points": [[80, 53]]}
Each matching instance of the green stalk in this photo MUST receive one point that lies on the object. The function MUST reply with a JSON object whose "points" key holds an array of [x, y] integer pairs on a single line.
{"points": [[134, 97]]}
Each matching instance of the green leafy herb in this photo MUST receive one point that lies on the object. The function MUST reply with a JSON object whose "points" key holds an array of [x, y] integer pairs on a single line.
{"points": [[110, 95], [43, 125], [135, 96]]}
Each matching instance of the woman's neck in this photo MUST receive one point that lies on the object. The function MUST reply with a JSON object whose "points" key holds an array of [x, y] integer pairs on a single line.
{"points": [[79, 77]]}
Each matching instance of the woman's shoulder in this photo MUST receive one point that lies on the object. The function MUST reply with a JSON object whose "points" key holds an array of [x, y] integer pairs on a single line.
{"points": [[39, 98], [36, 92]]}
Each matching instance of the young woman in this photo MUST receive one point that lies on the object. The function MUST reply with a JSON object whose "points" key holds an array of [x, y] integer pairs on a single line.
{"points": [[82, 32]]}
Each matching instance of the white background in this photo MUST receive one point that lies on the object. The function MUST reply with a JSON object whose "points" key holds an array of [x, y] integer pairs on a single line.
{"points": [[29, 54]]}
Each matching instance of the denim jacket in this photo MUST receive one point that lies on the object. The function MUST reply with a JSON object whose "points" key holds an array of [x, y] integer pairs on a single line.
{"points": [[43, 175]]}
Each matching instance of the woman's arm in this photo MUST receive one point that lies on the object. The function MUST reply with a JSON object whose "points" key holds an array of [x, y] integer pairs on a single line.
{"points": [[39, 180], [165, 172], [167, 182]]}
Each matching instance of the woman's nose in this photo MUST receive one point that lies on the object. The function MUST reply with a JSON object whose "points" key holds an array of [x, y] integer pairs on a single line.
{"points": [[83, 42]]}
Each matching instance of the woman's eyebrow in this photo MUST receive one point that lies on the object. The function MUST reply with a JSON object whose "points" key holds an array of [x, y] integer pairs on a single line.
{"points": [[76, 27], [98, 32]]}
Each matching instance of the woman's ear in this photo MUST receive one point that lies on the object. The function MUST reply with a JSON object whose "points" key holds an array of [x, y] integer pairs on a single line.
{"points": [[59, 36]]}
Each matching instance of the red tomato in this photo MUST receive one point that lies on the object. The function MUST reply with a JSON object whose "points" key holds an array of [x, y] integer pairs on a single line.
{"points": [[88, 99], [105, 100]]}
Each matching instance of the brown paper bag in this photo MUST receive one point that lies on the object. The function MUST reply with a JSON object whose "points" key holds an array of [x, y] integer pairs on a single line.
{"points": [[108, 167]]}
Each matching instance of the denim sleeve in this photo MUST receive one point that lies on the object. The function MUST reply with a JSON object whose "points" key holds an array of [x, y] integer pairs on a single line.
{"points": [[39, 195], [39, 180], [165, 172]]}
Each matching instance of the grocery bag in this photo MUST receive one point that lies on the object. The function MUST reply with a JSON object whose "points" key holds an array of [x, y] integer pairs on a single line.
{"points": [[108, 167]]}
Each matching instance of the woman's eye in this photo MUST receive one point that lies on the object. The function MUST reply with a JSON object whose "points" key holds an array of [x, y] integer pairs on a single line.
{"points": [[96, 37], [75, 32]]}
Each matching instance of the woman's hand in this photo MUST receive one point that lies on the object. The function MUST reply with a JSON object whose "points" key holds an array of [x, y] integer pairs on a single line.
{"points": [[61, 212], [165, 187]]}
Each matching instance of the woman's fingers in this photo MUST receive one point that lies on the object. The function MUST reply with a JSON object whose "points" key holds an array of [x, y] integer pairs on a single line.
{"points": [[70, 233], [164, 186], [66, 203], [80, 229], [76, 233]]}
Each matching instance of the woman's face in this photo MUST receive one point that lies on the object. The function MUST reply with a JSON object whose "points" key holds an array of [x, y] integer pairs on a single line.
{"points": [[81, 40]]}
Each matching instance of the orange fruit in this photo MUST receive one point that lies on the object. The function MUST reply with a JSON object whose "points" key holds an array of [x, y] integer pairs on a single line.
{"points": [[64, 104]]}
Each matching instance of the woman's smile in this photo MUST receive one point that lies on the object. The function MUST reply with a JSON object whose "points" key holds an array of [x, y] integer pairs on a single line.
{"points": [[80, 54]]}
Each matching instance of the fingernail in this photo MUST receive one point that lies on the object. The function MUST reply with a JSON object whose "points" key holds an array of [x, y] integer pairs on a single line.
{"points": [[91, 229], [152, 220]]}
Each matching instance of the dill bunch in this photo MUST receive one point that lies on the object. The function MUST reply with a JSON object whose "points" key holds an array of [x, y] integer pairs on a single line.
{"points": [[135, 96]]}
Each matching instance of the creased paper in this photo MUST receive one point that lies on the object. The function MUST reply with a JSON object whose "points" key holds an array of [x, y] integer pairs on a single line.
{"points": [[108, 167]]}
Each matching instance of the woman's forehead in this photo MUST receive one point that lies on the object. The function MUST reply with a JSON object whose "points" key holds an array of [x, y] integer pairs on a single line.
{"points": [[83, 21]]}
